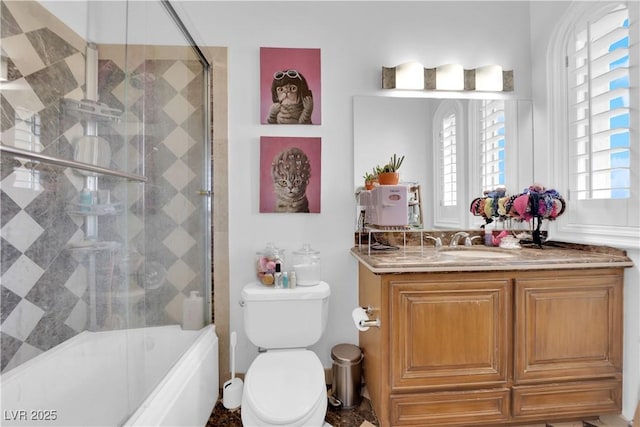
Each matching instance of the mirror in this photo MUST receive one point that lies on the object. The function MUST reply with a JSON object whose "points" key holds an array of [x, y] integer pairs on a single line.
{"points": [[385, 125]]}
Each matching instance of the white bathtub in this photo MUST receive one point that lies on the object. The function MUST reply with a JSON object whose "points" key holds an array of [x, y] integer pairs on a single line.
{"points": [[160, 376]]}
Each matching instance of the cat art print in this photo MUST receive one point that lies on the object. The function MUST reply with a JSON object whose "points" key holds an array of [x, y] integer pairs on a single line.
{"points": [[292, 99], [290, 86], [289, 174], [290, 171]]}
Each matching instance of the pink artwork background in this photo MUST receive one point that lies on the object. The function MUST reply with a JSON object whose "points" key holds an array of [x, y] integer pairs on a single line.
{"points": [[305, 61], [272, 145]]}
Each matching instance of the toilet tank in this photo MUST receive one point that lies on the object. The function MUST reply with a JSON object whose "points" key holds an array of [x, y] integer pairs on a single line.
{"points": [[285, 318]]}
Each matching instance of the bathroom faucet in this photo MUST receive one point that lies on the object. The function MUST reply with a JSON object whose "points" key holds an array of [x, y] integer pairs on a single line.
{"points": [[437, 242], [457, 236]]}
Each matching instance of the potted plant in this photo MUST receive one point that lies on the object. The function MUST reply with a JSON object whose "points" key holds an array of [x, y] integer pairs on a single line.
{"points": [[390, 174], [369, 180]]}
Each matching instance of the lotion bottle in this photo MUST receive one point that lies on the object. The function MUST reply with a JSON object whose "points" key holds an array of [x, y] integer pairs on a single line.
{"points": [[488, 236], [277, 276]]}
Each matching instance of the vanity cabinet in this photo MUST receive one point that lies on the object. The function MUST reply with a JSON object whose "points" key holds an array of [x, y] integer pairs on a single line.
{"points": [[494, 347]]}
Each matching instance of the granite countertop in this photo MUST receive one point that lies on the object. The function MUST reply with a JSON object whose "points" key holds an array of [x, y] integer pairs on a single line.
{"points": [[551, 256]]}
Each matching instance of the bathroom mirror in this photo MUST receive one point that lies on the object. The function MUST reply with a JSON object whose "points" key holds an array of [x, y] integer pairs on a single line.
{"points": [[384, 125]]}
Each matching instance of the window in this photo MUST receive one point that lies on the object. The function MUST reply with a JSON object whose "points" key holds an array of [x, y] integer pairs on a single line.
{"points": [[449, 129], [492, 143], [448, 159], [598, 62], [594, 123]]}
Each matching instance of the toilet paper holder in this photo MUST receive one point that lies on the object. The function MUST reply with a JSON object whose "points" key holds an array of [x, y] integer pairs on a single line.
{"points": [[371, 322]]}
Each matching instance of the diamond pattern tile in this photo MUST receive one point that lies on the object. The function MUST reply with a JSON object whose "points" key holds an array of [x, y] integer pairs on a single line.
{"points": [[10, 346], [21, 276], [50, 48], [180, 274], [9, 255], [9, 26], [179, 241], [179, 175], [77, 319], [22, 320], [8, 208], [179, 109], [24, 56], [20, 187], [178, 75], [23, 353], [8, 300], [22, 231], [179, 208], [179, 142]]}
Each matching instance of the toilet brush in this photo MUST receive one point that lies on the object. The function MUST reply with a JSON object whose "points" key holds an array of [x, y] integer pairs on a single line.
{"points": [[232, 389]]}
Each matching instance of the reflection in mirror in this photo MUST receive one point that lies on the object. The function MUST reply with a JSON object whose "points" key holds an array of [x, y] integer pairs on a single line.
{"points": [[384, 126]]}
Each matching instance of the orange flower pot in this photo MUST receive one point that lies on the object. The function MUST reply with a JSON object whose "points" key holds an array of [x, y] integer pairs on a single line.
{"points": [[388, 178]]}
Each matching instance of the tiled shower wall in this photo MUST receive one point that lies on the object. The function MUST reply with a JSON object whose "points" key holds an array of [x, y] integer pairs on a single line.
{"points": [[44, 288]]}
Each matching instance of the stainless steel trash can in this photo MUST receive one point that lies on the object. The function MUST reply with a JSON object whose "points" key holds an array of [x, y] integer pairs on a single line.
{"points": [[346, 374]]}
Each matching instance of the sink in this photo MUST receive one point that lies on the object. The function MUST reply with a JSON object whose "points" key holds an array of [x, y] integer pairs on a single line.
{"points": [[487, 253]]}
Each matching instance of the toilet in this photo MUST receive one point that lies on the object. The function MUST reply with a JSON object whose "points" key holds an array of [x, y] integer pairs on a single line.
{"points": [[285, 385]]}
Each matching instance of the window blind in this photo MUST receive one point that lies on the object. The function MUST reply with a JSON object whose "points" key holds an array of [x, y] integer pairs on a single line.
{"points": [[448, 160], [599, 156], [492, 143]]}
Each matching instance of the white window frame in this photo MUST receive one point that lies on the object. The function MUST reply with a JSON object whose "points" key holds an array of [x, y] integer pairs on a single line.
{"points": [[612, 221], [450, 216]]}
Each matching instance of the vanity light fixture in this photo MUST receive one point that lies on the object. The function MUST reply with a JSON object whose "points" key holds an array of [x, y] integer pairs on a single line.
{"points": [[409, 75], [449, 77]]}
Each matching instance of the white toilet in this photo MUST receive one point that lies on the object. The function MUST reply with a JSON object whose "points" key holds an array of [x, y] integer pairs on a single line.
{"points": [[285, 385]]}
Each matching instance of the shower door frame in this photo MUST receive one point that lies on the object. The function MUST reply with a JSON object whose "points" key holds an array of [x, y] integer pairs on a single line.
{"points": [[206, 190]]}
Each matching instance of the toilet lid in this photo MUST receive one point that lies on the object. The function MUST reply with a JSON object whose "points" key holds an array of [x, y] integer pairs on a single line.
{"points": [[284, 386]]}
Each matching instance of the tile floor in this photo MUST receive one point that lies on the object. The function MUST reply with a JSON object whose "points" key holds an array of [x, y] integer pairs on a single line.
{"points": [[360, 416], [363, 416]]}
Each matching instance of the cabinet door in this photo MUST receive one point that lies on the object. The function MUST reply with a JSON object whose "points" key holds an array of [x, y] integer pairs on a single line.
{"points": [[451, 333], [568, 327]]}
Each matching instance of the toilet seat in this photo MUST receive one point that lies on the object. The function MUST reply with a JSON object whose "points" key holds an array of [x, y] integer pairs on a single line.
{"points": [[285, 386]]}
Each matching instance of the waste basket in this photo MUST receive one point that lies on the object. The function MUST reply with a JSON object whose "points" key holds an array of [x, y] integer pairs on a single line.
{"points": [[346, 374]]}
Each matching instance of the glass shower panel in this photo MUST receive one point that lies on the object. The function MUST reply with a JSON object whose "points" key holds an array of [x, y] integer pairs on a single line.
{"points": [[63, 196], [105, 165], [164, 82], [159, 82]]}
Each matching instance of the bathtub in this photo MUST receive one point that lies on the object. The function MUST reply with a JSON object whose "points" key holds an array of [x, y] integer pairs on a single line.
{"points": [[134, 377]]}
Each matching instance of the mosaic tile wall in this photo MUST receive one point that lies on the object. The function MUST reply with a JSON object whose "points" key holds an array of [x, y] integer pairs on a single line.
{"points": [[44, 286]]}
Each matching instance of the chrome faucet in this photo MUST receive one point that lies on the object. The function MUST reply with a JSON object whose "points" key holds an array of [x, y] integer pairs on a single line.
{"points": [[437, 242], [456, 237]]}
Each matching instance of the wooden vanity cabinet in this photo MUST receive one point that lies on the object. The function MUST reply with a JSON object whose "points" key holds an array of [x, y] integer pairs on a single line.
{"points": [[492, 348]]}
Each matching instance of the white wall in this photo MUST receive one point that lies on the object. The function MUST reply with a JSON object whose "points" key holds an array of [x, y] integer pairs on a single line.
{"points": [[356, 39]]}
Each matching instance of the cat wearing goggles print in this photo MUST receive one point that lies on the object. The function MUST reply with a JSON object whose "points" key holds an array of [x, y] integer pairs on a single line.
{"points": [[292, 99]]}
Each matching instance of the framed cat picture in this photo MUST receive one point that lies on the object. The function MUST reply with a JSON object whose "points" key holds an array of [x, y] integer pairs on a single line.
{"points": [[290, 174], [290, 86]]}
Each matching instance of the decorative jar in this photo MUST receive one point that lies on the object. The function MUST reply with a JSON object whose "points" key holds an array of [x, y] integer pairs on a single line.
{"points": [[266, 261], [306, 264]]}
